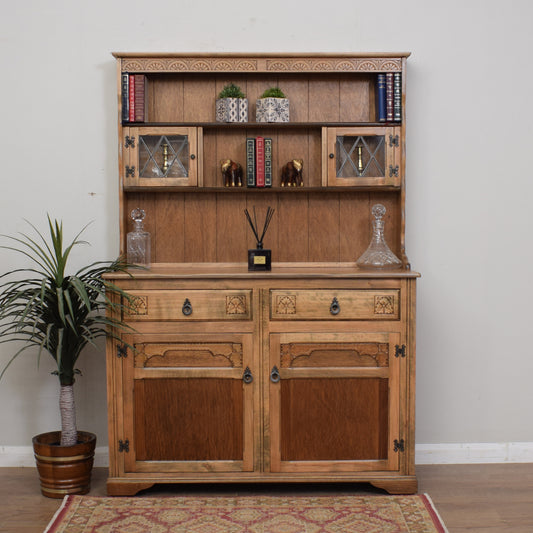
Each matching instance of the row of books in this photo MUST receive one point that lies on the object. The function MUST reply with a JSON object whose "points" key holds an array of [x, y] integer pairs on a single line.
{"points": [[133, 94], [389, 97], [258, 162]]}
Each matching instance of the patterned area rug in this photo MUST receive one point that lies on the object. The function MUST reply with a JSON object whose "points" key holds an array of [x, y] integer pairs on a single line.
{"points": [[254, 514]]}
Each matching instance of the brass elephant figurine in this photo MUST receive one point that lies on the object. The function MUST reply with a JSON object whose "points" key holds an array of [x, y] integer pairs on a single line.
{"points": [[291, 174]]}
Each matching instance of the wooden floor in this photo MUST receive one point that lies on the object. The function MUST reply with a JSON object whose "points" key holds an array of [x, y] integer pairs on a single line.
{"points": [[481, 498]]}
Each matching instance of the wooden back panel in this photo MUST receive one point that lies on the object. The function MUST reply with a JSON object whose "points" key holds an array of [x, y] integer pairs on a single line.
{"points": [[205, 224]]}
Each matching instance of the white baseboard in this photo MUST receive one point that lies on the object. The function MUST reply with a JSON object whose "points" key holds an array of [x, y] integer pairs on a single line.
{"points": [[425, 454], [474, 452]]}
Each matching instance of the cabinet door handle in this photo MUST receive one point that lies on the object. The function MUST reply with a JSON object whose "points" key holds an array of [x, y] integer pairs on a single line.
{"points": [[274, 374], [187, 307], [335, 307], [247, 376]]}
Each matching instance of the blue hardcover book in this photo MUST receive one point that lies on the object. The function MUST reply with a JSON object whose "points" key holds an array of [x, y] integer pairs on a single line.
{"points": [[250, 162], [381, 99]]}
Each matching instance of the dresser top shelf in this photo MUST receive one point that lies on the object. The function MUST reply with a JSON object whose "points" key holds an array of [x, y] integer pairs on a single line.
{"points": [[279, 271]]}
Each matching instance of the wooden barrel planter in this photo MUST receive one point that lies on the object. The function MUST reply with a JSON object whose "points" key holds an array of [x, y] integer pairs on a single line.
{"points": [[64, 469]]}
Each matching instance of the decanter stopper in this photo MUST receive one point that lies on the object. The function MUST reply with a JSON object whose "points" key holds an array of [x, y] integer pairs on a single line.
{"points": [[138, 240], [378, 254]]}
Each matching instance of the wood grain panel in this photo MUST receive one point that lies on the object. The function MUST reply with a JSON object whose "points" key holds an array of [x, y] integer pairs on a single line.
{"points": [[324, 100], [357, 98], [200, 228], [297, 91], [211, 164], [334, 419], [170, 229], [188, 419], [166, 101], [293, 227], [199, 91], [232, 228], [355, 229], [323, 227]]}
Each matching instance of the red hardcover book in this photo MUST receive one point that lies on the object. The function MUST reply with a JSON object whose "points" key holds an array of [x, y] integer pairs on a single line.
{"points": [[139, 96], [132, 99], [390, 96], [259, 162]]}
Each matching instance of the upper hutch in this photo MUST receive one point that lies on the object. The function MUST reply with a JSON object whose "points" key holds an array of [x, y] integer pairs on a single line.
{"points": [[301, 373]]}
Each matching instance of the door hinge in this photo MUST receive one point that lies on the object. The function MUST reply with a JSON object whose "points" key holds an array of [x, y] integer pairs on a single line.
{"points": [[129, 141], [124, 445], [394, 171], [122, 351], [400, 351], [399, 445], [394, 140], [130, 172]]}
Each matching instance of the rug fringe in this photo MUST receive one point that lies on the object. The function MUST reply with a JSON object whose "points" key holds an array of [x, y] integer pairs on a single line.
{"points": [[433, 510], [58, 514]]}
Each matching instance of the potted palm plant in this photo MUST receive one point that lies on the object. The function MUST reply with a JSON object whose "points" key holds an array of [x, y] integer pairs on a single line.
{"points": [[43, 306]]}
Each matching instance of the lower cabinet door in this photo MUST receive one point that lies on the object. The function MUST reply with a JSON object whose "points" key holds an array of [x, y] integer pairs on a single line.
{"points": [[188, 403], [334, 402]]}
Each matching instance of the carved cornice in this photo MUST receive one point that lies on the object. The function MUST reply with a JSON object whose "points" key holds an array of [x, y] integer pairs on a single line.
{"points": [[261, 64]]}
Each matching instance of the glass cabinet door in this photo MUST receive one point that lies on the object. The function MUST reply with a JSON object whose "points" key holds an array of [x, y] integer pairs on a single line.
{"points": [[362, 156], [161, 156]]}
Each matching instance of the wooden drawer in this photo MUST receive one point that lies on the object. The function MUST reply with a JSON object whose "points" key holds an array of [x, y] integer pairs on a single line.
{"points": [[333, 304], [190, 305]]}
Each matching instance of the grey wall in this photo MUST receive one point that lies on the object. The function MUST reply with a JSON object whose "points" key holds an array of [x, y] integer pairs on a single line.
{"points": [[469, 175]]}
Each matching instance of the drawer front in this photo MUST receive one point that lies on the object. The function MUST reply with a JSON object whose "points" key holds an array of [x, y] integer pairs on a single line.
{"points": [[190, 305], [332, 304]]}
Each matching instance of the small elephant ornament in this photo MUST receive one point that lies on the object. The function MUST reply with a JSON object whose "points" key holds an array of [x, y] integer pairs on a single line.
{"points": [[291, 174], [232, 173]]}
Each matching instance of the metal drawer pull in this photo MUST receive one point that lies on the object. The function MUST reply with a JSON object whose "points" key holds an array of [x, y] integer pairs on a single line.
{"points": [[335, 307], [187, 307], [274, 374], [247, 376]]}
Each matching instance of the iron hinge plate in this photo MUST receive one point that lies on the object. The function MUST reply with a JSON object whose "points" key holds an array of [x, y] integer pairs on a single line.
{"points": [[122, 351], [400, 351], [399, 445], [124, 445]]}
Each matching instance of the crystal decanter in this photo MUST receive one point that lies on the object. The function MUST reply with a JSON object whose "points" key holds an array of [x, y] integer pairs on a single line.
{"points": [[378, 254], [138, 240]]}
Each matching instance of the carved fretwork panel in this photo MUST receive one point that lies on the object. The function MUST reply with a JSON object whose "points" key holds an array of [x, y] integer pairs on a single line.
{"points": [[136, 306], [188, 354], [285, 305], [384, 305], [328, 354], [235, 305]]}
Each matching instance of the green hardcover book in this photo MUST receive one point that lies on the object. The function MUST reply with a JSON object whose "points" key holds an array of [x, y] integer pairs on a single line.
{"points": [[268, 162], [250, 162]]}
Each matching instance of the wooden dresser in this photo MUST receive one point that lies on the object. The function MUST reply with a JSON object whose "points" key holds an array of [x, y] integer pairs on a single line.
{"points": [[305, 373]]}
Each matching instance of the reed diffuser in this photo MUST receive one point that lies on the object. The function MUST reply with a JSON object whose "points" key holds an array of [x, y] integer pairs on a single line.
{"points": [[259, 259]]}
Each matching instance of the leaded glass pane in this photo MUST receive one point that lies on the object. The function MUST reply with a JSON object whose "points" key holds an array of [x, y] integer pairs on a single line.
{"points": [[360, 156], [163, 156]]}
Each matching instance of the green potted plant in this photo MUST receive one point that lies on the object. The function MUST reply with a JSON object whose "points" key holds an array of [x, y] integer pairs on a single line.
{"points": [[272, 106], [231, 105], [44, 307]]}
